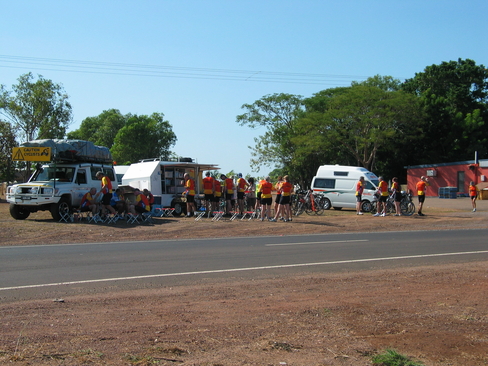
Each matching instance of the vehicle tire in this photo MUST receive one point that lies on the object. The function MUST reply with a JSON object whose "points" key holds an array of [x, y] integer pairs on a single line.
{"points": [[62, 206], [366, 206], [337, 208], [18, 212], [180, 208], [326, 203]]}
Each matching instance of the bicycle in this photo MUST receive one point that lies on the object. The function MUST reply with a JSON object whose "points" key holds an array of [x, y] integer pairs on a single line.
{"points": [[407, 207], [308, 202]]}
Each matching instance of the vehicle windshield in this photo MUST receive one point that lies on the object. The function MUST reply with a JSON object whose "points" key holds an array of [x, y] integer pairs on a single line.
{"points": [[61, 174], [373, 184]]}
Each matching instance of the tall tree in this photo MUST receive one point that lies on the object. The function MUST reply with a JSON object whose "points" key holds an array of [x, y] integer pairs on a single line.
{"points": [[7, 143], [102, 129], [358, 121], [143, 137], [277, 114], [454, 96], [38, 109]]}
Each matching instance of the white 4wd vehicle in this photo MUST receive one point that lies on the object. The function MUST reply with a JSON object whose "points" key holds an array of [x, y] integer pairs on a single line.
{"points": [[56, 187]]}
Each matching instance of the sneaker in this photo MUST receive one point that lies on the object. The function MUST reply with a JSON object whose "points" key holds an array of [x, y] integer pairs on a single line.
{"points": [[383, 215], [261, 219], [474, 210], [272, 220], [376, 214], [398, 215], [359, 213]]}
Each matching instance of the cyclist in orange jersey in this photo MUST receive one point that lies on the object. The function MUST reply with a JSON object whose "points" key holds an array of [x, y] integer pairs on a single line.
{"points": [[473, 194]]}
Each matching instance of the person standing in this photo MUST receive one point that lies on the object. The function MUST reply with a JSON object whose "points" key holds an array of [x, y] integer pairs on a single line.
{"points": [[284, 205], [209, 192], [190, 195], [106, 192], [359, 194], [278, 193], [397, 195], [473, 194], [383, 191], [258, 194], [421, 188], [266, 198], [228, 184], [217, 195], [251, 195], [242, 184]]}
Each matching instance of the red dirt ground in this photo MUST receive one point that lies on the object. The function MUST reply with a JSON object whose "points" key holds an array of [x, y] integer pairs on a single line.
{"points": [[436, 314]]}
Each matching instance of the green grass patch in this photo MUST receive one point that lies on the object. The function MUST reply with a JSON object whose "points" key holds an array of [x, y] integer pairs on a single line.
{"points": [[393, 358]]}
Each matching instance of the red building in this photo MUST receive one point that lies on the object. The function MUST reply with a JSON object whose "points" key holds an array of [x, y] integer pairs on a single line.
{"points": [[456, 175]]}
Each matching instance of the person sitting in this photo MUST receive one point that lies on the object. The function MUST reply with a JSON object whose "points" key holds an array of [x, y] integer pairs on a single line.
{"points": [[141, 203], [149, 196], [118, 201], [89, 203]]}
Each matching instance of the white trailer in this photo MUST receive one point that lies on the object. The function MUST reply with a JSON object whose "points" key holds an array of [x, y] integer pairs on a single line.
{"points": [[164, 179], [338, 184]]}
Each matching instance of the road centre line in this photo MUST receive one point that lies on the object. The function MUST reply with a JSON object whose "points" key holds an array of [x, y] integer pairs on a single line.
{"points": [[243, 269], [316, 242]]}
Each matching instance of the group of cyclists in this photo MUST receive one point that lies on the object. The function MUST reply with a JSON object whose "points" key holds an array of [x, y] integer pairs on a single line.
{"points": [[242, 196]]}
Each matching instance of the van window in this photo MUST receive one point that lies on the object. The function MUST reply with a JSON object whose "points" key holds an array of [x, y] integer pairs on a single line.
{"points": [[345, 183], [324, 183], [341, 174]]}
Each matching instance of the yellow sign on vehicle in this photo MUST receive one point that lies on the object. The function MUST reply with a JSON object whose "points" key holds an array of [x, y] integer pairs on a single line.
{"points": [[31, 154]]}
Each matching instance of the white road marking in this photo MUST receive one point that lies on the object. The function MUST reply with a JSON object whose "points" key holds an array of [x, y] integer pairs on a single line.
{"points": [[242, 269], [315, 242]]}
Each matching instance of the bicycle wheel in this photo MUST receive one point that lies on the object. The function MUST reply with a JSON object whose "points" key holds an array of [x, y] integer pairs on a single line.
{"points": [[299, 208], [308, 208], [319, 207], [407, 208], [374, 207], [390, 207]]}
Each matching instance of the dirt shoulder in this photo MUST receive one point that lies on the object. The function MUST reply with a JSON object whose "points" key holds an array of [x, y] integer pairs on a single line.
{"points": [[435, 314]]}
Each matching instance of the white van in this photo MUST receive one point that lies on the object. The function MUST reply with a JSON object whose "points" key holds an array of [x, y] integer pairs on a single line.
{"points": [[338, 183]]}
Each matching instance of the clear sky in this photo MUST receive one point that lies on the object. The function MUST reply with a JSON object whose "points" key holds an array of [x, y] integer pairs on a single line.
{"points": [[199, 61]]}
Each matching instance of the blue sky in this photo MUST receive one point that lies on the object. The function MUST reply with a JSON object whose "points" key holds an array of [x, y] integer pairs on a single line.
{"points": [[198, 62]]}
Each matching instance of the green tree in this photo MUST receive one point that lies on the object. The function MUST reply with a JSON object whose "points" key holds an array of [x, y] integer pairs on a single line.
{"points": [[454, 98], [358, 121], [386, 83], [277, 114], [102, 129], [7, 143], [37, 109], [143, 137]]}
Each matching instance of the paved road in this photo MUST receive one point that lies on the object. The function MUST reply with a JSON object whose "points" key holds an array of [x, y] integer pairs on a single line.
{"points": [[50, 271]]}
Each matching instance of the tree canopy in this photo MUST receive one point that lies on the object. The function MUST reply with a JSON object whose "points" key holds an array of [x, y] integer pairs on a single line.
{"points": [[37, 109], [454, 98], [101, 129], [143, 137]]}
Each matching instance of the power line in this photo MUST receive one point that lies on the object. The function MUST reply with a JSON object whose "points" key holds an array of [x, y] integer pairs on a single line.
{"points": [[127, 69]]}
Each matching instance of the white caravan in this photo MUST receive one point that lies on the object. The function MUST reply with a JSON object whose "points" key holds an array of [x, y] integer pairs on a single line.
{"points": [[338, 184], [164, 179]]}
